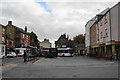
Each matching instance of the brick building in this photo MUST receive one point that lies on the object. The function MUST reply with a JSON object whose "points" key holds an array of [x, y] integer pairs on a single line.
{"points": [[62, 41], [16, 37], [22, 37]]}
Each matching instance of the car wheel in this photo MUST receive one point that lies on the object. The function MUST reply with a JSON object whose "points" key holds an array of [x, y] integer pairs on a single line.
{"points": [[63, 55]]}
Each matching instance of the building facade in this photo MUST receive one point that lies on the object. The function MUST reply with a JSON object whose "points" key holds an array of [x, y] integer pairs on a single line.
{"points": [[22, 37], [115, 30], [104, 33], [2, 41], [16, 37], [87, 34], [93, 39], [62, 41], [10, 36], [0, 34], [45, 44]]}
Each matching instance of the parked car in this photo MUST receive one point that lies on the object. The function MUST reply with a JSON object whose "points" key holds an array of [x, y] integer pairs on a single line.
{"points": [[11, 54]]}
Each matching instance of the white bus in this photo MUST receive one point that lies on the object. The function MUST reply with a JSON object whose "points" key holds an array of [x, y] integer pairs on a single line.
{"points": [[2, 51], [64, 52]]}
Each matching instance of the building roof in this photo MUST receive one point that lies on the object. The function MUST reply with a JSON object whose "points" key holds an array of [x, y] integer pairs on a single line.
{"points": [[91, 22], [96, 18], [104, 12], [20, 29], [3, 26]]}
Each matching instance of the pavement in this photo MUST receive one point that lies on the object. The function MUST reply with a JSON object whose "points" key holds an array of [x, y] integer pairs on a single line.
{"points": [[63, 67]]}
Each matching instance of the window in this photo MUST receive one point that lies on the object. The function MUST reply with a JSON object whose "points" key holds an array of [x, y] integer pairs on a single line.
{"points": [[106, 33], [23, 35], [2, 49], [101, 35], [3, 39], [3, 31], [27, 36], [101, 23], [10, 43], [105, 19], [7, 42]]}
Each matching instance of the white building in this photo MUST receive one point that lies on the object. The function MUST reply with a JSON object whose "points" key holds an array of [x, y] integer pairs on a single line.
{"points": [[87, 34], [2, 41], [45, 43]]}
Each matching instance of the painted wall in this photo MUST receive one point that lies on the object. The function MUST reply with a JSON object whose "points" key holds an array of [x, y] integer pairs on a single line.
{"points": [[114, 23], [104, 29], [45, 44], [119, 21], [0, 34]]}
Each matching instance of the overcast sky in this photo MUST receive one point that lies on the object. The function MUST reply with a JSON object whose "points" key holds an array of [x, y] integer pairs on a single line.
{"points": [[51, 18]]}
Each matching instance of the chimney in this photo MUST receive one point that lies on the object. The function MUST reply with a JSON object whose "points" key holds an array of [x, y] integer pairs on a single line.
{"points": [[25, 28], [9, 22]]}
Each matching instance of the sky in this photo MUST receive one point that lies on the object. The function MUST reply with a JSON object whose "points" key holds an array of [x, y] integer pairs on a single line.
{"points": [[51, 18]]}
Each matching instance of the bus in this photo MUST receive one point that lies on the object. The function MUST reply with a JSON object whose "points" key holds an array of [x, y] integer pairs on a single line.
{"points": [[49, 52], [53, 51], [64, 52]]}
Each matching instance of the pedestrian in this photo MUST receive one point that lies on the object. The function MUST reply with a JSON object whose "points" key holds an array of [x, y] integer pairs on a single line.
{"points": [[111, 57], [96, 54], [25, 56]]}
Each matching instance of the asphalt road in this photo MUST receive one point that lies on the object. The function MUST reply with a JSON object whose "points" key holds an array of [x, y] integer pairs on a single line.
{"points": [[63, 67]]}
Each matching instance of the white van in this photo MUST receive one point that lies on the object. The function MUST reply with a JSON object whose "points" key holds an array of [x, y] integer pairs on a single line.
{"points": [[2, 50]]}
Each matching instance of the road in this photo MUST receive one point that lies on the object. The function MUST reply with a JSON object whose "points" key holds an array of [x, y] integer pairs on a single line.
{"points": [[63, 67]]}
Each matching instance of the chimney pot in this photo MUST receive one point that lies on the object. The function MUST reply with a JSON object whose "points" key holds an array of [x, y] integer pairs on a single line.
{"points": [[10, 22], [25, 28]]}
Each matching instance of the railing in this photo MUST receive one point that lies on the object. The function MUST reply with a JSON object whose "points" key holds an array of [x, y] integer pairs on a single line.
{"points": [[29, 56]]}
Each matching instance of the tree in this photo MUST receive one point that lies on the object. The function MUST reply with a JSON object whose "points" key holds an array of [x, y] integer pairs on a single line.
{"points": [[34, 39], [79, 38]]}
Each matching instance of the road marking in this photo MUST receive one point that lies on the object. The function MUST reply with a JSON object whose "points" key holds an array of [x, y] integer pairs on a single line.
{"points": [[110, 62], [104, 66], [11, 65]]}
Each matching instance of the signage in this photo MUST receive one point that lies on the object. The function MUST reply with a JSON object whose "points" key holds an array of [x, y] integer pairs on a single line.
{"points": [[53, 51], [101, 44]]}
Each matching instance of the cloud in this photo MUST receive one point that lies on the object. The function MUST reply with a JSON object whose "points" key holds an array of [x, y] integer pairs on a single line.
{"points": [[63, 17]]}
